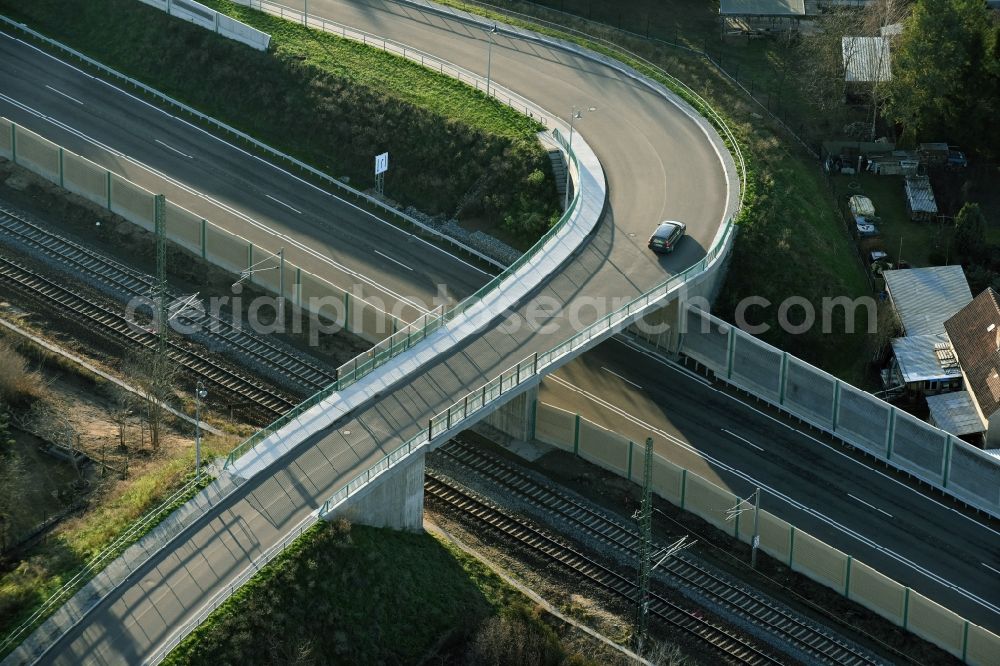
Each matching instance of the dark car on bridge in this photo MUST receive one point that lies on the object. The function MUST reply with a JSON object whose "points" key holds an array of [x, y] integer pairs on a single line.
{"points": [[666, 236]]}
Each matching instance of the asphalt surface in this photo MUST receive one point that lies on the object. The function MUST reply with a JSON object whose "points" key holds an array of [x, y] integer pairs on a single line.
{"points": [[919, 541], [659, 165], [267, 205]]}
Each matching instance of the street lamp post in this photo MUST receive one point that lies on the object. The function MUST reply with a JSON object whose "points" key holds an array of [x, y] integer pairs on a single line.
{"points": [[199, 394], [489, 58], [569, 152]]}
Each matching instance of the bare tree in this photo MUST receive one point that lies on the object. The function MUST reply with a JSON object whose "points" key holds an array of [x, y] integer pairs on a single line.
{"points": [[153, 375], [826, 55], [122, 410]]}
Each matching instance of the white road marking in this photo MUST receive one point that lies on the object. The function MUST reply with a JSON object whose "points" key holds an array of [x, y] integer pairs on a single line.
{"points": [[282, 203], [60, 92], [622, 340], [742, 439], [786, 498], [802, 433], [868, 504], [990, 568], [248, 154], [627, 381], [168, 147], [243, 216], [393, 260]]}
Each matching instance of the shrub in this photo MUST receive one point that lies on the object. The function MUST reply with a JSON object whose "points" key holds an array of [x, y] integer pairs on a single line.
{"points": [[518, 637], [18, 385]]}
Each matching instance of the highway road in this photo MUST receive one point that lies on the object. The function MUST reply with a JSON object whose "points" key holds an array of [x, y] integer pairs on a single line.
{"points": [[659, 164], [640, 141], [223, 183], [918, 540]]}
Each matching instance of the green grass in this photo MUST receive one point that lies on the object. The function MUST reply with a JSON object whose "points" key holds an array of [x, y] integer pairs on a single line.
{"points": [[330, 102], [354, 594], [47, 566], [922, 243], [792, 241]]}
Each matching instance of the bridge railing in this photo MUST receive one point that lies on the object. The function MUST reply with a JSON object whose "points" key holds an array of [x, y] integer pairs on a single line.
{"points": [[390, 211], [96, 564], [406, 338], [530, 369]]}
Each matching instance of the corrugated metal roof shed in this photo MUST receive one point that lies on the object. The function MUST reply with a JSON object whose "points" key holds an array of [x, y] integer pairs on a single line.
{"points": [[925, 297], [954, 413], [762, 7], [861, 206], [926, 357], [920, 195], [866, 59]]}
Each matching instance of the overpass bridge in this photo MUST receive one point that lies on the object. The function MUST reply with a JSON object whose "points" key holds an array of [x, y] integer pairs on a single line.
{"points": [[269, 494], [381, 425]]}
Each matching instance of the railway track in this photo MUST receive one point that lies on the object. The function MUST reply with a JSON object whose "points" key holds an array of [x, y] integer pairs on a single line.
{"points": [[776, 619], [107, 321], [296, 370], [724, 641], [308, 377]]}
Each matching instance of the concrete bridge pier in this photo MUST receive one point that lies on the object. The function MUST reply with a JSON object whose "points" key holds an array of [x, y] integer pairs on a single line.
{"points": [[396, 501], [516, 418], [660, 328], [663, 328]]}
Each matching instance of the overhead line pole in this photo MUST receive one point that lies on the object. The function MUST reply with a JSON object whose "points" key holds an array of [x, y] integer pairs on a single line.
{"points": [[645, 547], [160, 229]]}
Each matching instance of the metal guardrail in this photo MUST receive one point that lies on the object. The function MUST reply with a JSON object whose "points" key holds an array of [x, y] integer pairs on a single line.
{"points": [[407, 338], [529, 18], [527, 371], [404, 339], [357, 194], [519, 374], [513, 100], [97, 564]]}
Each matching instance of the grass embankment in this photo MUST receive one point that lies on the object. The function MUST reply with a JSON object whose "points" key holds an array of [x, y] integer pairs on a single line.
{"points": [[792, 240], [330, 102], [44, 568], [343, 594], [112, 507]]}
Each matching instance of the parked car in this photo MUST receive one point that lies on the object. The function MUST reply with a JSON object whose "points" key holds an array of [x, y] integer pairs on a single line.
{"points": [[666, 236], [865, 229], [956, 158]]}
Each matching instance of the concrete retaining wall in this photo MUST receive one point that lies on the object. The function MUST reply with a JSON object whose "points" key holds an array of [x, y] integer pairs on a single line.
{"points": [[205, 17], [936, 624], [709, 502], [37, 154], [604, 448], [799, 550], [982, 647], [877, 592], [84, 178], [818, 561], [397, 502], [230, 252], [555, 426], [6, 139]]}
